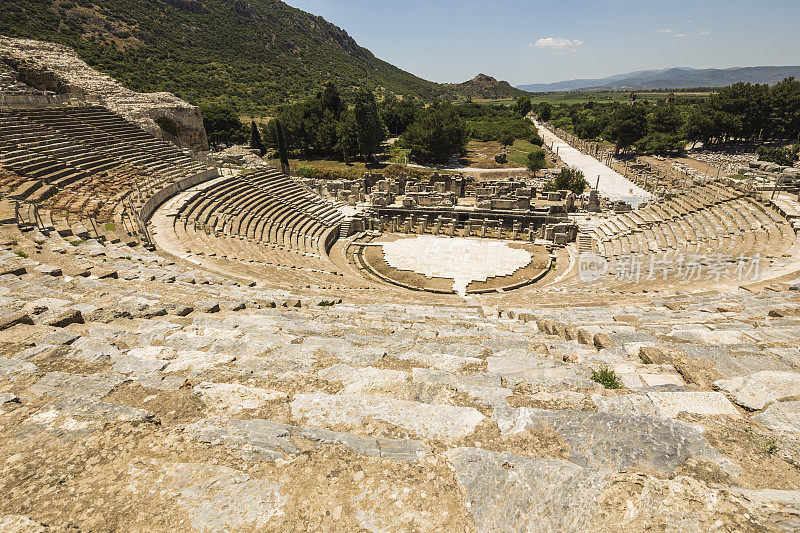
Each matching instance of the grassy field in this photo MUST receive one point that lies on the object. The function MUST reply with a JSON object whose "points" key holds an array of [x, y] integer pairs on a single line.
{"points": [[581, 97], [328, 169], [518, 153], [505, 101]]}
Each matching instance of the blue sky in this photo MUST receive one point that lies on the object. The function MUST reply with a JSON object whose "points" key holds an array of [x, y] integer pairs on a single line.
{"points": [[537, 42]]}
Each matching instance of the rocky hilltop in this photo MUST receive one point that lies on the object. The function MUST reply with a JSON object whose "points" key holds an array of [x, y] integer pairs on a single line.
{"points": [[484, 86]]}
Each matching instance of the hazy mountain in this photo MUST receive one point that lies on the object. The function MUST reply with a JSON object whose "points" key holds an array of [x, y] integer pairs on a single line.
{"points": [[672, 78]]}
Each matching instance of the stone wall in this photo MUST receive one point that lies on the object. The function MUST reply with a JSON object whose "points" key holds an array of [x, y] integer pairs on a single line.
{"points": [[56, 68]]}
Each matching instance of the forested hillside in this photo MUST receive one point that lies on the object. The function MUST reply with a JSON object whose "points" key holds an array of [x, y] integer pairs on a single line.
{"points": [[253, 54]]}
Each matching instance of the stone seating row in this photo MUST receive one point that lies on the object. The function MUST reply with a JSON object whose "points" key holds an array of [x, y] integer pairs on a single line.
{"points": [[55, 148], [85, 164], [708, 220], [202, 383], [264, 207]]}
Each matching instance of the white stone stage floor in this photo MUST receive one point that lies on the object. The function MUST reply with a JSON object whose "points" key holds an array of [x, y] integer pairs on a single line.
{"points": [[463, 260], [612, 184]]}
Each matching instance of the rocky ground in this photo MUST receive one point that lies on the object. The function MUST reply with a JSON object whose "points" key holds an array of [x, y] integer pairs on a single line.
{"points": [[140, 395]]}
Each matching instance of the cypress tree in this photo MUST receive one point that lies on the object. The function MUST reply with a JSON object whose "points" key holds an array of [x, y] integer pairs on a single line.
{"points": [[368, 124], [281, 147], [256, 143]]}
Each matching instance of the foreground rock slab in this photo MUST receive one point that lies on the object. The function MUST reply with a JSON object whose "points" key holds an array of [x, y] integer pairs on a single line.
{"points": [[758, 390], [430, 421], [617, 441]]}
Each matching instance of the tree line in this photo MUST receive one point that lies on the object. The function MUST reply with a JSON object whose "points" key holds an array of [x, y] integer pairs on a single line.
{"points": [[740, 112], [345, 127]]}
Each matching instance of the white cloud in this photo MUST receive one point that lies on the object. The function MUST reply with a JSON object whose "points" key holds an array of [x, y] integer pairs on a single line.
{"points": [[557, 45], [680, 35], [704, 32], [665, 30]]}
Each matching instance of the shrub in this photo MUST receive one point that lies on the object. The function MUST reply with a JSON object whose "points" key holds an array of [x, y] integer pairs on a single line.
{"points": [[607, 378], [569, 179], [326, 303], [770, 446], [328, 173], [536, 160], [21, 254], [661, 144], [780, 156], [535, 139]]}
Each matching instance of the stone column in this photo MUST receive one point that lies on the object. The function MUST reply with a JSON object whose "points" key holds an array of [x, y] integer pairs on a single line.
{"points": [[438, 226]]}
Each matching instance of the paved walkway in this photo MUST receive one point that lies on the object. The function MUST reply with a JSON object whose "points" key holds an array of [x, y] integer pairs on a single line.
{"points": [[612, 185]]}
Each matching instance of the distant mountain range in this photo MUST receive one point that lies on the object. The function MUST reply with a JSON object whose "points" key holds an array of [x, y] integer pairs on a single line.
{"points": [[671, 78]]}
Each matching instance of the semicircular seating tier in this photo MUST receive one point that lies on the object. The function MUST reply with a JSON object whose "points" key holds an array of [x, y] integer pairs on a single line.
{"points": [[714, 219], [259, 225], [264, 206], [85, 165]]}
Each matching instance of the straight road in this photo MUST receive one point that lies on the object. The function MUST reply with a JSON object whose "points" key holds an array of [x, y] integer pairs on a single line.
{"points": [[612, 185]]}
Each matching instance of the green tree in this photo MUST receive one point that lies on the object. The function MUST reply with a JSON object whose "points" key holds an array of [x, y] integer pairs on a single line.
{"points": [[255, 139], [785, 110], [506, 139], [524, 105], [664, 119], [544, 111], [569, 179], [281, 142], [326, 134], [535, 139], [332, 100], [398, 114], [698, 127], [661, 144], [627, 125], [347, 133], [222, 125], [437, 135], [536, 160], [370, 129]]}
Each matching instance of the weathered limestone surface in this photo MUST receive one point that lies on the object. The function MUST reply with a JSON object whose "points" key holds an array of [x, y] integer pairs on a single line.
{"points": [[57, 68], [422, 419], [758, 390], [216, 498], [383, 411], [512, 493], [617, 441], [783, 417]]}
